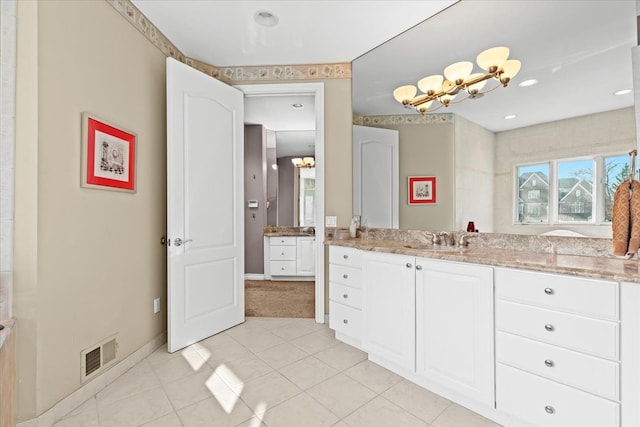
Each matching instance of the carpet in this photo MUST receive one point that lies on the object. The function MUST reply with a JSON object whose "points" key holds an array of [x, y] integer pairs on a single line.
{"points": [[272, 298]]}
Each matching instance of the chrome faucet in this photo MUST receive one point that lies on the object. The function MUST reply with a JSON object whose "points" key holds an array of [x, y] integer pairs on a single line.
{"points": [[464, 239], [435, 239], [449, 238]]}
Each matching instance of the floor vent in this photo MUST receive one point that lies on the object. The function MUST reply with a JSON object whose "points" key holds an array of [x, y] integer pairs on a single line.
{"points": [[98, 357]]}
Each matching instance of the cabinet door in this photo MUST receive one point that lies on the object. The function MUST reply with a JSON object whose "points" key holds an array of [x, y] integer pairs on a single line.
{"points": [[389, 308], [306, 256], [454, 327]]}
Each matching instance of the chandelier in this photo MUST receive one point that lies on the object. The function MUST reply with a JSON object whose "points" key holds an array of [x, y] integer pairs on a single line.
{"points": [[458, 78], [305, 162]]}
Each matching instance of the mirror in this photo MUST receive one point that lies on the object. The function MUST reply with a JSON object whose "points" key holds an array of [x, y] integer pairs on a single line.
{"points": [[580, 54], [289, 123]]}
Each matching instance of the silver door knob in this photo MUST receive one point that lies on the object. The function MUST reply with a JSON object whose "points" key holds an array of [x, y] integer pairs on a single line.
{"points": [[180, 242]]}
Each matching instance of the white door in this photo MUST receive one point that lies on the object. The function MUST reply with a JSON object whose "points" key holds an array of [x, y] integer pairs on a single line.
{"points": [[375, 176], [205, 155]]}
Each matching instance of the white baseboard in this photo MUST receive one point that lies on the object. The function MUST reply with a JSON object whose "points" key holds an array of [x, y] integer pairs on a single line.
{"points": [[93, 387], [250, 276]]}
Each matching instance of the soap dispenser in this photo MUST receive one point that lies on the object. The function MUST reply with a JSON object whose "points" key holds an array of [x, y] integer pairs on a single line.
{"points": [[353, 227]]}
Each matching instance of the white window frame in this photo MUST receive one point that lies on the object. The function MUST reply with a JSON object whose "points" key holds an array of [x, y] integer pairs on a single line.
{"points": [[598, 209]]}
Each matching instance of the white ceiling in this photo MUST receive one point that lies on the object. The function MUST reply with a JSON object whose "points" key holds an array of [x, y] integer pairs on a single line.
{"points": [[224, 33], [579, 50]]}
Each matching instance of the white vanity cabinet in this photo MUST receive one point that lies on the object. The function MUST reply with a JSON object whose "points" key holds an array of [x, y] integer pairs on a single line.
{"points": [[557, 349], [454, 327], [345, 294], [305, 256], [389, 308], [291, 257]]}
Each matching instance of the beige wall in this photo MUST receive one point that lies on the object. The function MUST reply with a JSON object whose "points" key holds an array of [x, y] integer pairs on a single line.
{"points": [[474, 175], [88, 262], [426, 149], [611, 132]]}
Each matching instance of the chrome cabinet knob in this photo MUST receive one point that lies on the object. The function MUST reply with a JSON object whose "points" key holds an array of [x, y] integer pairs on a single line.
{"points": [[345, 276], [345, 256], [548, 363], [549, 327], [418, 267], [345, 321], [548, 291], [345, 296], [549, 409], [180, 242], [409, 265]]}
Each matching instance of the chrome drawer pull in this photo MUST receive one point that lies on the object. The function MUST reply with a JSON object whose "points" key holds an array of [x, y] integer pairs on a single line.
{"points": [[548, 291], [418, 267], [345, 276], [548, 363], [345, 296], [549, 409], [345, 256], [549, 327], [409, 265], [345, 321], [282, 253]]}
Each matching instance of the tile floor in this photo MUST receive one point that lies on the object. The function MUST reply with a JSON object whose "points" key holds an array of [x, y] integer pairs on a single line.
{"points": [[267, 372]]}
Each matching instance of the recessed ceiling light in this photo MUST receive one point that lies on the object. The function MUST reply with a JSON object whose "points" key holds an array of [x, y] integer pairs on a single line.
{"points": [[297, 105], [529, 82], [622, 92], [510, 116], [266, 18]]}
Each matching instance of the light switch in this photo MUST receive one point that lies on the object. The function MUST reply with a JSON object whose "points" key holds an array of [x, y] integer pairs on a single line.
{"points": [[331, 221]]}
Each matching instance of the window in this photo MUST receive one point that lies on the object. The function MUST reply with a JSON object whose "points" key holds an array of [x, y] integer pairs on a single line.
{"points": [[533, 193], [575, 188], [581, 190]]}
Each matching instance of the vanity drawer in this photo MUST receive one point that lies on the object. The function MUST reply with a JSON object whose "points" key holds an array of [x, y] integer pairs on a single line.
{"points": [[593, 336], [345, 256], [591, 297], [345, 320], [283, 268], [282, 253], [283, 240], [345, 275], [588, 373], [544, 403], [345, 295]]}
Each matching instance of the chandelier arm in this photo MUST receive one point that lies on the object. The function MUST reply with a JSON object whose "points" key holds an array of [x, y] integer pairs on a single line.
{"points": [[459, 100], [490, 90]]}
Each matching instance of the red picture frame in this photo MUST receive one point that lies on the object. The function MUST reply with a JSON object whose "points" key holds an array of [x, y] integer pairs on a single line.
{"points": [[108, 155], [422, 190]]}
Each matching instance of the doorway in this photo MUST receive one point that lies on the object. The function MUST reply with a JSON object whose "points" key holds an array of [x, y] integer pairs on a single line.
{"points": [[316, 91]]}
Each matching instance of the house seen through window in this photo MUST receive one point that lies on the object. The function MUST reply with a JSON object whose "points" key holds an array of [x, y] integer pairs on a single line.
{"points": [[565, 191]]}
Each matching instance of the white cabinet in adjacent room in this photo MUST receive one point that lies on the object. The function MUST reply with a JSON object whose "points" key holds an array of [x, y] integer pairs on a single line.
{"points": [[454, 327], [290, 257], [389, 308]]}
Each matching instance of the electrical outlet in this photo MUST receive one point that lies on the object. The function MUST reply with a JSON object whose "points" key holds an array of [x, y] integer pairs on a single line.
{"points": [[331, 221], [156, 305]]}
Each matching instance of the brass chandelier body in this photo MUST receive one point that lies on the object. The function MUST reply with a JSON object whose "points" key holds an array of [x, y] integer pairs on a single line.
{"points": [[458, 78]]}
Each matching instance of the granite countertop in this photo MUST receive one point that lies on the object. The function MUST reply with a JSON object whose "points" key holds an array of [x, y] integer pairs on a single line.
{"points": [[4, 334], [287, 233], [580, 265]]}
